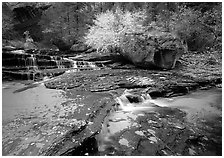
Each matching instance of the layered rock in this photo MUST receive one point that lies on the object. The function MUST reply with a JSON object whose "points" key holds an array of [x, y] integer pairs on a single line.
{"points": [[153, 49], [20, 64]]}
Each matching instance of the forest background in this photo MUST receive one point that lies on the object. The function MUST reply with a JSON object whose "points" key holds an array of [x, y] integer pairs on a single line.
{"points": [[66, 24]]}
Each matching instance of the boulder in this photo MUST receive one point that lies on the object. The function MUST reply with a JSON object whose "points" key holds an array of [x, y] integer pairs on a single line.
{"points": [[153, 49], [79, 47]]}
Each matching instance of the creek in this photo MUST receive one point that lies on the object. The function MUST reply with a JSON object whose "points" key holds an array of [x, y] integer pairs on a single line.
{"points": [[33, 118], [203, 110]]}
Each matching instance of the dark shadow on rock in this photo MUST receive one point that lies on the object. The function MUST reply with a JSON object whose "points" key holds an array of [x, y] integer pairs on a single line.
{"points": [[87, 148]]}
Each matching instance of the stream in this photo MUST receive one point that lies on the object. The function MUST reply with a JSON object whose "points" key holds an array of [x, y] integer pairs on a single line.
{"points": [[33, 118], [203, 110]]}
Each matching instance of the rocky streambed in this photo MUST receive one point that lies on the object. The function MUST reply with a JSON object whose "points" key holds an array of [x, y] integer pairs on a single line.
{"points": [[118, 110]]}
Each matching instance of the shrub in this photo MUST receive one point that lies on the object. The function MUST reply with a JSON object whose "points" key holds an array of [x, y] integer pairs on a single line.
{"points": [[110, 28], [118, 29], [192, 26]]}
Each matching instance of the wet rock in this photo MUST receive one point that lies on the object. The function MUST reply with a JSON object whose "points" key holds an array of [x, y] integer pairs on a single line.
{"points": [[143, 80], [164, 129], [81, 141]]}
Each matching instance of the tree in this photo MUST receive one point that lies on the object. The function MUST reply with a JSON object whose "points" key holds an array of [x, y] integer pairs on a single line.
{"points": [[7, 22], [110, 29]]}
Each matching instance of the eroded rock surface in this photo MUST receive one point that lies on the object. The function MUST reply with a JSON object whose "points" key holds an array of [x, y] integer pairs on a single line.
{"points": [[90, 121], [166, 130], [154, 49]]}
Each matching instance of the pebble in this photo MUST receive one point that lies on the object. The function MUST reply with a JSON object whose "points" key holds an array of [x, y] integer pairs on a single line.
{"points": [[205, 138], [139, 133], [153, 139], [191, 151], [124, 141], [180, 126], [164, 152], [151, 131], [151, 121]]}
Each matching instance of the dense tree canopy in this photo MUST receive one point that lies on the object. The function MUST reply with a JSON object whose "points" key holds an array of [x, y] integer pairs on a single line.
{"points": [[198, 23]]}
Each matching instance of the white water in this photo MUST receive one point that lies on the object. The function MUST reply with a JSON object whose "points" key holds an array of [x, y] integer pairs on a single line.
{"points": [[199, 106], [202, 104]]}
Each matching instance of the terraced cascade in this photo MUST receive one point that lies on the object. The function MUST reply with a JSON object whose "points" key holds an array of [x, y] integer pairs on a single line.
{"points": [[113, 112], [25, 66], [82, 65]]}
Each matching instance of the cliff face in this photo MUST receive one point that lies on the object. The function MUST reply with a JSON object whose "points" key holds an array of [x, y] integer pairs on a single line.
{"points": [[26, 16]]}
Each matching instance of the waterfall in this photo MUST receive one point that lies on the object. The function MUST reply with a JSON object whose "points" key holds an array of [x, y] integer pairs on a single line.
{"points": [[75, 64], [59, 63], [31, 63], [145, 102]]}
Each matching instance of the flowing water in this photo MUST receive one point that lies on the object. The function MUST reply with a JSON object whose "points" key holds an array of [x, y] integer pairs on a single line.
{"points": [[203, 104], [21, 65], [203, 108], [31, 63], [33, 118]]}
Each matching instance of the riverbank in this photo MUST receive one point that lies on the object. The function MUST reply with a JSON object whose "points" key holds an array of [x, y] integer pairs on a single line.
{"points": [[88, 120], [172, 134], [198, 70]]}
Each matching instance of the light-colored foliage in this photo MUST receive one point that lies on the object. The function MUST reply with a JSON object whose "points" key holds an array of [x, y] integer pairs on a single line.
{"points": [[110, 28]]}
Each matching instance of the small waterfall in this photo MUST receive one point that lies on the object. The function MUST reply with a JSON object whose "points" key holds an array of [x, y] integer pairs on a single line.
{"points": [[75, 64], [52, 59], [141, 103], [93, 66], [83, 65], [58, 62], [31, 63]]}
